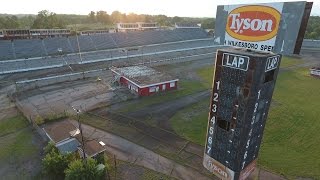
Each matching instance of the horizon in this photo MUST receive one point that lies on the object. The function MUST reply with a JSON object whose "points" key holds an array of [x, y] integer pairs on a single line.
{"points": [[201, 9]]}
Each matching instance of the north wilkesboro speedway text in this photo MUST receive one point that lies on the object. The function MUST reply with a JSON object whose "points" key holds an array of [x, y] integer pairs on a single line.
{"points": [[249, 45]]}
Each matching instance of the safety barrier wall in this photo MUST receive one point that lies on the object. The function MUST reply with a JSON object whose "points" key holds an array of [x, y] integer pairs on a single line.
{"points": [[23, 65], [41, 82], [310, 43]]}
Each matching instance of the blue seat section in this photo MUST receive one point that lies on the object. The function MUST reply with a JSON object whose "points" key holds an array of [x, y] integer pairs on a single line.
{"points": [[103, 41], [6, 51], [53, 44], [27, 48], [187, 34], [49, 46], [85, 43]]}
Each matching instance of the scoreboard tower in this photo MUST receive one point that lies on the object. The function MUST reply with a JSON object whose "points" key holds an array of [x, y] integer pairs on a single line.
{"points": [[243, 84]]}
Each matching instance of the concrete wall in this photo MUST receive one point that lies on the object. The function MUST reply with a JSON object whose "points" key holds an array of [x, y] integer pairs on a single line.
{"points": [[310, 43], [41, 82]]}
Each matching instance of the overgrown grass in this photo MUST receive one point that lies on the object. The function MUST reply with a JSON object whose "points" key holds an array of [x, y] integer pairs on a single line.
{"points": [[15, 141], [289, 61], [17, 146], [206, 75], [191, 122], [291, 140], [125, 169], [13, 124]]}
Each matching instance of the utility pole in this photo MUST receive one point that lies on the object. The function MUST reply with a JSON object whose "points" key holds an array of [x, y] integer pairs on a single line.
{"points": [[80, 128]]}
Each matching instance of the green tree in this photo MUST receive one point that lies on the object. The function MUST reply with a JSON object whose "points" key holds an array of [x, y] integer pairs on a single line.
{"points": [[92, 17], [313, 28], [50, 147], [162, 20], [54, 163], [75, 170], [177, 19], [208, 23], [86, 170], [48, 20], [132, 17], [9, 22], [103, 17], [26, 22], [116, 17]]}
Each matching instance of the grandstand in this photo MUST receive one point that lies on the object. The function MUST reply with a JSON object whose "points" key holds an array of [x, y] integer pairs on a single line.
{"points": [[28, 48], [34, 54]]}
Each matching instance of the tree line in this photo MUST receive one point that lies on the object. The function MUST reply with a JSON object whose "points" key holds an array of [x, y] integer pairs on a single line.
{"points": [[47, 20], [313, 28]]}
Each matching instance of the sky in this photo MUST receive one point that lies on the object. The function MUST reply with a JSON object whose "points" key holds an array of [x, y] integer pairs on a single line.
{"points": [[183, 8]]}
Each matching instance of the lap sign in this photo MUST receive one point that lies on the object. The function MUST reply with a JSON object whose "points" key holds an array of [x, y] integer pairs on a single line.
{"points": [[235, 61], [272, 63]]}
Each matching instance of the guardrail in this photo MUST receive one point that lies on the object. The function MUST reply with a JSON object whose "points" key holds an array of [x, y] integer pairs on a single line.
{"points": [[45, 81], [30, 63], [40, 82]]}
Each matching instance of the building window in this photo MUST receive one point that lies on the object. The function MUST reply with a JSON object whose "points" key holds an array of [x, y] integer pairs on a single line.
{"points": [[172, 84], [152, 89]]}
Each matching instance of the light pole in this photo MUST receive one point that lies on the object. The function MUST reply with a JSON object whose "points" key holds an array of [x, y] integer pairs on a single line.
{"points": [[80, 128]]}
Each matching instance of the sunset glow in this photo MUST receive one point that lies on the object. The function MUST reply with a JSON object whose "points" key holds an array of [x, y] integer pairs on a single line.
{"points": [[199, 8]]}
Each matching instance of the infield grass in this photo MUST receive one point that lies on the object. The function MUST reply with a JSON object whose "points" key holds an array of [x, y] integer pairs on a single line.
{"points": [[291, 143]]}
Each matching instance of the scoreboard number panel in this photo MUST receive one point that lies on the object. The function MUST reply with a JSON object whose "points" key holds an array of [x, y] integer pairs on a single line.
{"points": [[242, 89]]}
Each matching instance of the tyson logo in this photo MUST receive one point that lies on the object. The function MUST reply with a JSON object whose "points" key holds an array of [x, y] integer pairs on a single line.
{"points": [[253, 23]]}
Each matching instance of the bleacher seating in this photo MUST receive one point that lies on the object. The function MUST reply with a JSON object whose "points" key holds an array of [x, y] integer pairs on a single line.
{"points": [[103, 41], [53, 44], [49, 46], [27, 48], [85, 43], [6, 51]]}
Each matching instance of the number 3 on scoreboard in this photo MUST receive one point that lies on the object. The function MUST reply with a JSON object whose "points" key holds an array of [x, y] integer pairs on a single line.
{"points": [[214, 108]]}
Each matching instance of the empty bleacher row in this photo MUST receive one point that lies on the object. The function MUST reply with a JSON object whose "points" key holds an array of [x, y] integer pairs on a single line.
{"points": [[28, 48]]}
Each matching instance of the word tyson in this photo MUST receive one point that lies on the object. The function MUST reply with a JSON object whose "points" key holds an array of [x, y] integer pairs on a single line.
{"points": [[253, 23], [235, 61], [272, 63]]}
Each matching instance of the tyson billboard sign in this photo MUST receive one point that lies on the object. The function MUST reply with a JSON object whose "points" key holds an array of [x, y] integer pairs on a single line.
{"points": [[253, 26]]}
